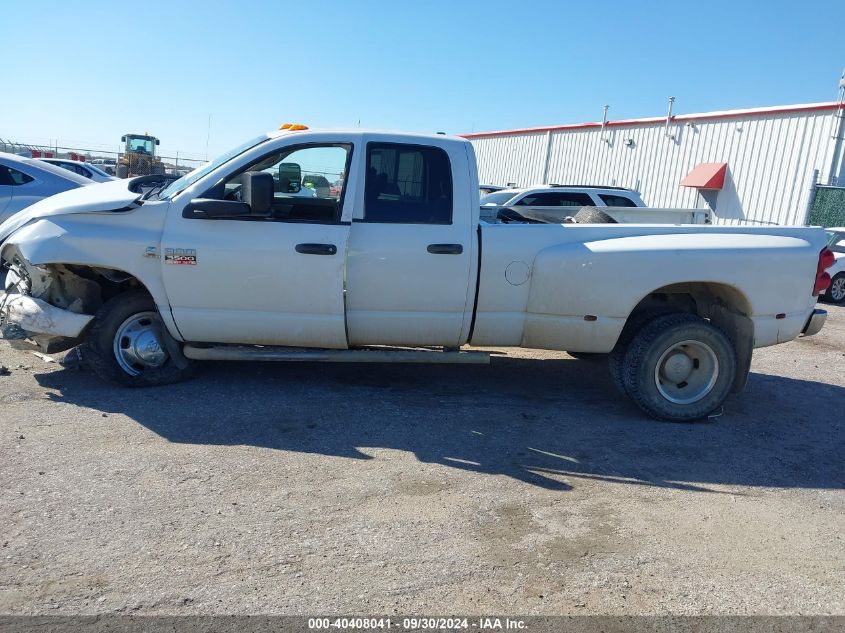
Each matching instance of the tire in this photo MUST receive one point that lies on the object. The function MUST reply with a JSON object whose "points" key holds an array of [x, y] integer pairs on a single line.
{"points": [[679, 368], [836, 292], [635, 323], [140, 358], [592, 215]]}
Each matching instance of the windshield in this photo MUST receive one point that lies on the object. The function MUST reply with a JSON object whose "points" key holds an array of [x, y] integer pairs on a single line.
{"points": [[498, 197], [140, 144], [190, 178]]}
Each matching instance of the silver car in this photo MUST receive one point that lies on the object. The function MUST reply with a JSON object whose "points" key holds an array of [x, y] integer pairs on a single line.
{"points": [[87, 170], [24, 181]]}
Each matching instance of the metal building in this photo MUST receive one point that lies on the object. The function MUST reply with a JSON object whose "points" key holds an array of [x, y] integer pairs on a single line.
{"points": [[758, 165]]}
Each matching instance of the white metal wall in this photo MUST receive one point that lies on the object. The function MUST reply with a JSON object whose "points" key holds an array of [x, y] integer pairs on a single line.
{"points": [[770, 157]]}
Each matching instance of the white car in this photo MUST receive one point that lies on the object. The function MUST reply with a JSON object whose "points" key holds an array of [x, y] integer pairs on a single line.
{"points": [[564, 196], [108, 165], [559, 203], [86, 170], [24, 181], [229, 263], [836, 292]]}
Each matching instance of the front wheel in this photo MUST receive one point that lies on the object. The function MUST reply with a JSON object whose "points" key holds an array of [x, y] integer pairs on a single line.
{"points": [[836, 292], [679, 368], [128, 344]]}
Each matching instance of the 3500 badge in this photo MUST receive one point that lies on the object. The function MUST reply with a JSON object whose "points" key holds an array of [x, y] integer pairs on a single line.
{"points": [[180, 256]]}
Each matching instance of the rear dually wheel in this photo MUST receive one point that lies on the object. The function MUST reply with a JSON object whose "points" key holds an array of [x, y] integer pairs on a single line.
{"points": [[679, 368]]}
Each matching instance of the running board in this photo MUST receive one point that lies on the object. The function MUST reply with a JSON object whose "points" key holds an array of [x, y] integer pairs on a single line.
{"points": [[313, 355]]}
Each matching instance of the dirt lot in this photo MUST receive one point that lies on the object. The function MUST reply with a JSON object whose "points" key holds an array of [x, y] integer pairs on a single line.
{"points": [[525, 487]]}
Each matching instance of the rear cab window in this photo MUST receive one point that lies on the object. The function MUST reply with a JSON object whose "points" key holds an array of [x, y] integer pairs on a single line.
{"points": [[407, 184]]}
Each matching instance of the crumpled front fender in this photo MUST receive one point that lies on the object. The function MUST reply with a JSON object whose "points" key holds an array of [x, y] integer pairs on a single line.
{"points": [[24, 317], [28, 319]]}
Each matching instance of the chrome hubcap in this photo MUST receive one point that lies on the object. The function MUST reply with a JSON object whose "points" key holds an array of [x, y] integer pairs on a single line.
{"points": [[137, 343], [686, 372], [837, 289]]}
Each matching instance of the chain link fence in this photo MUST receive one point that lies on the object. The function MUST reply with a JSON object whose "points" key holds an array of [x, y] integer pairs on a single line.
{"points": [[107, 160]]}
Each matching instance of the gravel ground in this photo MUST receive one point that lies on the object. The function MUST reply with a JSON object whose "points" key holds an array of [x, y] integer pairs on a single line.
{"points": [[525, 487]]}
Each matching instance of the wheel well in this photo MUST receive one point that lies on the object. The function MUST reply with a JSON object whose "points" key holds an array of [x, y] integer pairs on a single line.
{"points": [[80, 289], [701, 298], [112, 281], [723, 305]]}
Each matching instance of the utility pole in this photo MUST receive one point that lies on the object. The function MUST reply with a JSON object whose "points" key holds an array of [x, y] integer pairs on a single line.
{"points": [[838, 136]]}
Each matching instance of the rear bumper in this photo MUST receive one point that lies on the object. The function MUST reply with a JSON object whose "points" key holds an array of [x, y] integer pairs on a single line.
{"points": [[815, 322]]}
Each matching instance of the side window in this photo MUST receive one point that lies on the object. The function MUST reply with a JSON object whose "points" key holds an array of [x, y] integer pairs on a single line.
{"points": [[556, 199], [407, 184], [308, 183], [549, 199], [13, 177], [617, 201], [575, 200]]}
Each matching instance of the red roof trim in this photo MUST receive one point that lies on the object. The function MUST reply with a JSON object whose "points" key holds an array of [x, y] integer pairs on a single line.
{"points": [[706, 176], [729, 114]]}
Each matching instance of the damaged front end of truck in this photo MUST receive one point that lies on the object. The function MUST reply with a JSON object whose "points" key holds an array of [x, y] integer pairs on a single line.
{"points": [[47, 308], [49, 304]]}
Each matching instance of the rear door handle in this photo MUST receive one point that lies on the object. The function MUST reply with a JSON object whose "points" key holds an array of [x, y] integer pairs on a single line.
{"points": [[316, 249], [445, 249]]}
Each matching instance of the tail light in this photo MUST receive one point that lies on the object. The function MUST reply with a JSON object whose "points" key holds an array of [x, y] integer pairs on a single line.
{"points": [[826, 260]]}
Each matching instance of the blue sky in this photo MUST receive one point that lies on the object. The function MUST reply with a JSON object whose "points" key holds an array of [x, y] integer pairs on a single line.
{"points": [[89, 72]]}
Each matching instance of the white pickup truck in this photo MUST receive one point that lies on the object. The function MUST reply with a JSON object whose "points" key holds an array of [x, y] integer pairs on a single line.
{"points": [[229, 262]]}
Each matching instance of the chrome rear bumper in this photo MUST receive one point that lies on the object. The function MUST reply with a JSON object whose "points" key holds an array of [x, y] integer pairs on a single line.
{"points": [[815, 322]]}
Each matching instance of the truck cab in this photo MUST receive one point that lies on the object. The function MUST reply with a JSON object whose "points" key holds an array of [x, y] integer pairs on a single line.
{"points": [[395, 248]]}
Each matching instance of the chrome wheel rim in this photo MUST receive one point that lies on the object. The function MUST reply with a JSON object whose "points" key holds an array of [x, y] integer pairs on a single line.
{"points": [[837, 289], [138, 343], [686, 372]]}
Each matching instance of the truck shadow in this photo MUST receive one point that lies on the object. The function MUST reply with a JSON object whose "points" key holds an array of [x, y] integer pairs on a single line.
{"points": [[548, 423]]}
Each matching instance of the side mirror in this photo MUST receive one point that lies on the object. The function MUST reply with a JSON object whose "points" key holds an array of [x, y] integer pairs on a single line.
{"points": [[257, 192], [158, 142], [122, 139], [290, 178]]}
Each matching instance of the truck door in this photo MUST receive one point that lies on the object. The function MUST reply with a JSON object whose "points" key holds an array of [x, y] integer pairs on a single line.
{"points": [[411, 262], [272, 281]]}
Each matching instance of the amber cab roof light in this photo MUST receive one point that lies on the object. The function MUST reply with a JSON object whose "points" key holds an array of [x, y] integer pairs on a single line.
{"points": [[293, 127]]}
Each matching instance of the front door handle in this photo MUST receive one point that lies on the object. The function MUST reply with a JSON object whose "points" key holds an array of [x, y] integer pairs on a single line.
{"points": [[445, 249], [316, 249]]}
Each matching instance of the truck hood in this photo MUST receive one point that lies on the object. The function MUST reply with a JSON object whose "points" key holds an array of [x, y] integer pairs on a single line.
{"points": [[96, 198]]}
